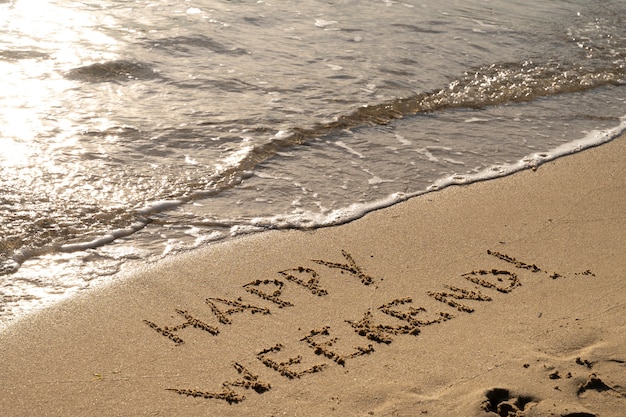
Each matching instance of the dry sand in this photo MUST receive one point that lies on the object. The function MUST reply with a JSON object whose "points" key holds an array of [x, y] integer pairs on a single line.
{"points": [[505, 297]]}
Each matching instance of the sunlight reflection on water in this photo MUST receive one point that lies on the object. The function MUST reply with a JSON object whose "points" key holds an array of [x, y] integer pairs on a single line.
{"points": [[45, 40]]}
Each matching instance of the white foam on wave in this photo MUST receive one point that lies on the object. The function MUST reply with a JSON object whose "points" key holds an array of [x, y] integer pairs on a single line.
{"points": [[104, 239], [310, 220], [160, 205], [592, 139]]}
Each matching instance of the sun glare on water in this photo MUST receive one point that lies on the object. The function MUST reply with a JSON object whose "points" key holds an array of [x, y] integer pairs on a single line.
{"points": [[39, 41]]}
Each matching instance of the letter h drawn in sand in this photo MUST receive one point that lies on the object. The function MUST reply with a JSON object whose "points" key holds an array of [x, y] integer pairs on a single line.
{"points": [[236, 306]]}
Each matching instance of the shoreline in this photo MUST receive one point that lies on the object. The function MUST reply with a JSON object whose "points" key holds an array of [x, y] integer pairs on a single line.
{"points": [[96, 275], [466, 301]]}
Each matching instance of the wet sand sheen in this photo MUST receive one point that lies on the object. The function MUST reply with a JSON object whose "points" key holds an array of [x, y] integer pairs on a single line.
{"points": [[496, 297]]}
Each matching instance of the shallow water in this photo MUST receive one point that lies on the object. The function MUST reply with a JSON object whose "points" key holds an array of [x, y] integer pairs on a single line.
{"points": [[130, 131]]}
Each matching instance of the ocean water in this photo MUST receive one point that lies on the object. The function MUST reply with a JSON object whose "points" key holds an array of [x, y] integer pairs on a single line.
{"points": [[132, 130]]}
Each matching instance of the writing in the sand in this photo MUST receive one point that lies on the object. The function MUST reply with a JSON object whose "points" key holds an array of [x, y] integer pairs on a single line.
{"points": [[398, 317]]}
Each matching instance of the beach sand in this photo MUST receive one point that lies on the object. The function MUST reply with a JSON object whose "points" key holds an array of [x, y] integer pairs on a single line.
{"points": [[505, 297]]}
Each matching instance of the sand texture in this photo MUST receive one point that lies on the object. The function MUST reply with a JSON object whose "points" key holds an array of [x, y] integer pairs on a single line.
{"points": [[500, 298]]}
